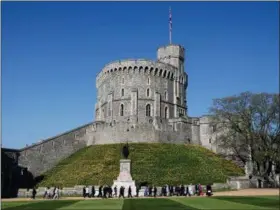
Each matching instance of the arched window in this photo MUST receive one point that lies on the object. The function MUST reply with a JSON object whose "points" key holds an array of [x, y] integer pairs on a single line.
{"points": [[122, 80], [122, 92], [148, 80], [148, 110], [166, 114], [165, 95], [148, 92], [121, 111]]}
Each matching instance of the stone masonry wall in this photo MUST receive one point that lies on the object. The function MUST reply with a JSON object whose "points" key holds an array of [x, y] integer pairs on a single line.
{"points": [[147, 77], [42, 156], [151, 131]]}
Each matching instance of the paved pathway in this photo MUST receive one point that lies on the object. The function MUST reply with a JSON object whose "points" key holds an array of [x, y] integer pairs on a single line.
{"points": [[244, 192]]}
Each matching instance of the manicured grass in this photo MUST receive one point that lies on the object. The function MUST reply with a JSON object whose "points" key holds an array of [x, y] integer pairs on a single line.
{"points": [[156, 164], [174, 203]]}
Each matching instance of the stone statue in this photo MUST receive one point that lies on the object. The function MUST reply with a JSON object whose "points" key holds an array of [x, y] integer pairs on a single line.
{"points": [[125, 151]]}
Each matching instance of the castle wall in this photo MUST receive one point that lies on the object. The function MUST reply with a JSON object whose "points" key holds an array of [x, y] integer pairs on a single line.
{"points": [[42, 156], [205, 132], [195, 130], [122, 132]]}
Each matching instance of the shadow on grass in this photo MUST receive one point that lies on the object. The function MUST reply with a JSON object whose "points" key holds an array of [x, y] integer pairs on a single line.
{"points": [[44, 205], [256, 201], [154, 204]]}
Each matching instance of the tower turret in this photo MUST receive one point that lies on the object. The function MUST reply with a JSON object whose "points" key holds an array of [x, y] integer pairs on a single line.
{"points": [[175, 56]]}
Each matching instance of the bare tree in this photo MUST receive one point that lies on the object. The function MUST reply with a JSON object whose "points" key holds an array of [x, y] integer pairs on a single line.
{"points": [[248, 126]]}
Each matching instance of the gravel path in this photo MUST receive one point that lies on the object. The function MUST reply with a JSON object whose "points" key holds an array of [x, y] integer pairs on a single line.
{"points": [[244, 192]]}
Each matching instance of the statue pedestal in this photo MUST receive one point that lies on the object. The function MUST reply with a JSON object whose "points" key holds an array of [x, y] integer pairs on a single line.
{"points": [[124, 179]]}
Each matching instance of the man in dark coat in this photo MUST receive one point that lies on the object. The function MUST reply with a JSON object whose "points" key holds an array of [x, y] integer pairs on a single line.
{"points": [[182, 191], [100, 192], [84, 192], [171, 190], [34, 192], [150, 191], [129, 192], [105, 191], [92, 191], [137, 190], [115, 191], [110, 192], [121, 192], [155, 191], [196, 189]]}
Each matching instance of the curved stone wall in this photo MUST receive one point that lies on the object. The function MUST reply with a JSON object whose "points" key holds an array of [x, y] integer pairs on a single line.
{"points": [[120, 81]]}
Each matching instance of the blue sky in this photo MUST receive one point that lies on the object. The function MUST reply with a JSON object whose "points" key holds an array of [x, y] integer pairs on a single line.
{"points": [[52, 51]]}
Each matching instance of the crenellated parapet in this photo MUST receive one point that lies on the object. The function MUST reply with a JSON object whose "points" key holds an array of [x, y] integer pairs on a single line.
{"points": [[140, 66]]}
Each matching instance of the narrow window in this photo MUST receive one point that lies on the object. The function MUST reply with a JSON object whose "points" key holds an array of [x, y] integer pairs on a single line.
{"points": [[148, 110], [122, 92], [122, 80], [148, 92], [165, 95], [121, 111], [148, 80], [210, 141], [166, 112], [214, 128]]}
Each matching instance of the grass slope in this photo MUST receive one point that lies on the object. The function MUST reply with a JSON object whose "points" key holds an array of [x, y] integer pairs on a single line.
{"points": [[153, 163]]}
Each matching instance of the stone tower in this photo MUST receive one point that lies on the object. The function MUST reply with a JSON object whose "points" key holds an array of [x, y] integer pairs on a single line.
{"points": [[175, 55]]}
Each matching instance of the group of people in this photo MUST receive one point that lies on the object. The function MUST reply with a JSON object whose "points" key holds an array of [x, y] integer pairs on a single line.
{"points": [[105, 192], [181, 190], [150, 191], [51, 194]]}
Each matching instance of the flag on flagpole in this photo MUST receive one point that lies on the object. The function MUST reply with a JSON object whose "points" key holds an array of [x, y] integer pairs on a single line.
{"points": [[170, 19], [170, 25]]}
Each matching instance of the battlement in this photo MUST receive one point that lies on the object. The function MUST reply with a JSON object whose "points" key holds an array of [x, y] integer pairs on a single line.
{"points": [[173, 55], [111, 66], [176, 51], [141, 66]]}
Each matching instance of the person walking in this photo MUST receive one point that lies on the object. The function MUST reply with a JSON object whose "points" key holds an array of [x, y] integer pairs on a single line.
{"points": [[34, 192], [115, 191], [121, 194], [93, 191], [56, 193], [155, 191], [129, 192], [87, 192]]}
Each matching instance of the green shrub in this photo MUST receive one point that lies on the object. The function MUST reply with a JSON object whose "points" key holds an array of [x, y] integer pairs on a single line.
{"points": [[153, 163]]}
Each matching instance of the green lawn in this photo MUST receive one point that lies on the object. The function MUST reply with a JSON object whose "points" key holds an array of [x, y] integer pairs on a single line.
{"points": [[174, 203]]}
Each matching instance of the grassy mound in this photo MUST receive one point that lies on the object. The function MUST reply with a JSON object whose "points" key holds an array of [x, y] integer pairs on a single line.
{"points": [[153, 163]]}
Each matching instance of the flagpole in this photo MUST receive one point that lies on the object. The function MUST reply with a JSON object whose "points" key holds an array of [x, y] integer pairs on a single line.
{"points": [[170, 26]]}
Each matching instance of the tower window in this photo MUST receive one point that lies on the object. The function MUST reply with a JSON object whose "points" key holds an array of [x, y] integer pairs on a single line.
{"points": [[148, 110], [165, 95], [214, 128], [122, 80], [148, 92], [166, 113], [148, 80], [122, 92], [121, 111]]}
